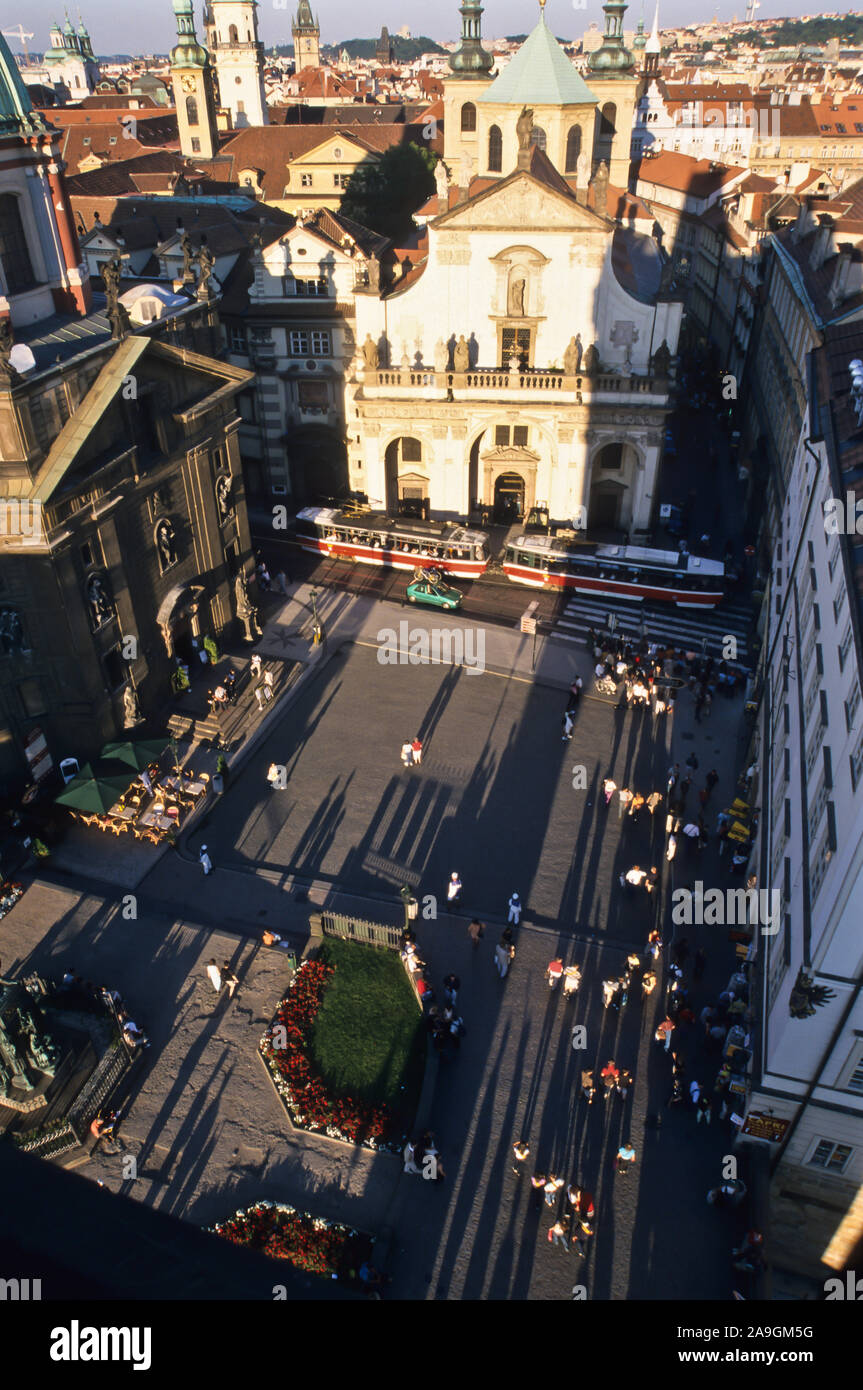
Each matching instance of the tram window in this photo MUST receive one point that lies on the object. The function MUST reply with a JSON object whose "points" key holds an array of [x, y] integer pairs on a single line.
{"points": [[510, 555]]}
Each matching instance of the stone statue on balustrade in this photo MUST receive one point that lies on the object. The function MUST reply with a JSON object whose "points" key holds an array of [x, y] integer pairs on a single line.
{"points": [[591, 361], [246, 610], [461, 356], [374, 269], [524, 127], [441, 356], [572, 356], [661, 360], [371, 354], [131, 709]]}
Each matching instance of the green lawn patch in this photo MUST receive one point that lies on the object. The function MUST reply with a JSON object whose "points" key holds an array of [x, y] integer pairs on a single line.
{"points": [[368, 1039]]}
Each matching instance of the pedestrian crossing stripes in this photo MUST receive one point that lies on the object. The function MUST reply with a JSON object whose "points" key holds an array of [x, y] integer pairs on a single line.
{"points": [[675, 626]]}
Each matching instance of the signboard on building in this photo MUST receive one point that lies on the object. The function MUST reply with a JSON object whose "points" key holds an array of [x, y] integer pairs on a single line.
{"points": [[36, 751], [768, 1127]]}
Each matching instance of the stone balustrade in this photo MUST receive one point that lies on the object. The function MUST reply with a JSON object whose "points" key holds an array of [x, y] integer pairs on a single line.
{"points": [[496, 380]]}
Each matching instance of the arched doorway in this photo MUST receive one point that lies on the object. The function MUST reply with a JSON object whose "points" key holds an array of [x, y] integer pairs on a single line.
{"points": [[509, 491], [606, 502], [404, 479]]}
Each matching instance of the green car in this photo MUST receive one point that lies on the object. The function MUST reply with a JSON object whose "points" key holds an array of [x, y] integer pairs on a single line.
{"points": [[433, 592]]}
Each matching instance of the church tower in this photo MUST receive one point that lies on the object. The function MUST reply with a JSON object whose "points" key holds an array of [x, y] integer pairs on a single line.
{"points": [[307, 38], [239, 58], [192, 81], [42, 271], [471, 66], [613, 78], [653, 48]]}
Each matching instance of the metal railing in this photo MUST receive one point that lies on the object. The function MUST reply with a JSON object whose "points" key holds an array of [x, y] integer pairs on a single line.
{"points": [[90, 1099]]}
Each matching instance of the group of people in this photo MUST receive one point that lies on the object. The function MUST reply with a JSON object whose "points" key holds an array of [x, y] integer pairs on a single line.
{"points": [[421, 1158], [222, 977], [412, 752], [574, 1209], [84, 994]]}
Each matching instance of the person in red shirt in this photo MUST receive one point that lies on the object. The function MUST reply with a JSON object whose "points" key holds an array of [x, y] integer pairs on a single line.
{"points": [[610, 1076], [554, 972]]}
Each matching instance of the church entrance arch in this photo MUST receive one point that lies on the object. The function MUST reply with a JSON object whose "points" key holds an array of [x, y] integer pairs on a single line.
{"points": [[606, 505], [509, 494]]}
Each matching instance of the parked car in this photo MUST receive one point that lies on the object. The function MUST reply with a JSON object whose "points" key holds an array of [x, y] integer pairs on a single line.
{"points": [[431, 590]]}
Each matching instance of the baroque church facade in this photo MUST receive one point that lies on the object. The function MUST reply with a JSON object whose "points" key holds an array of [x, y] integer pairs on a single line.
{"points": [[526, 362]]}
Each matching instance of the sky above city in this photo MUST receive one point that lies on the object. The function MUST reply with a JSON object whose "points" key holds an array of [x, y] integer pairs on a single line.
{"points": [[151, 27]]}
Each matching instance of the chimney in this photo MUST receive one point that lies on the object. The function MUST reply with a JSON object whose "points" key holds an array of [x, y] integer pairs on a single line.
{"points": [[822, 244], [839, 286]]}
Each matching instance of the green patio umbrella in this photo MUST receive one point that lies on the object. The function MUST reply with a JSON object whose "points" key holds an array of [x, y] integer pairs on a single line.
{"points": [[95, 790], [138, 753]]}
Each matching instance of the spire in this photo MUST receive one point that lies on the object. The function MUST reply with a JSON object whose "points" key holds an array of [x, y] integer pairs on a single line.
{"points": [[653, 47], [470, 58], [188, 52]]}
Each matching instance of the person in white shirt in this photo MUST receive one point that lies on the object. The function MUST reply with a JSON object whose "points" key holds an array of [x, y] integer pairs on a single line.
{"points": [[206, 861], [514, 906], [214, 975]]}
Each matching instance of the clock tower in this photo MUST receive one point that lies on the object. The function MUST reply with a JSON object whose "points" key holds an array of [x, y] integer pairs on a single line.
{"points": [[192, 80]]}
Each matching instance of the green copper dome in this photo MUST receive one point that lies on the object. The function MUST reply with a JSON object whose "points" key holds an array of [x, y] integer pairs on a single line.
{"points": [[612, 58], [640, 38], [470, 58], [16, 109]]}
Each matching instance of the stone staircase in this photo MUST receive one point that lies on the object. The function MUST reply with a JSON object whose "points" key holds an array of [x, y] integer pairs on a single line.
{"points": [[225, 728]]}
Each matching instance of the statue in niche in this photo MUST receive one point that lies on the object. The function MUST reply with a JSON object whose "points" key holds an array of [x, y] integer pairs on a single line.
{"points": [[165, 544], [582, 170], [374, 274], [371, 355], [11, 632], [441, 356], [246, 610], [223, 494], [572, 356], [524, 127], [461, 356], [661, 359], [101, 607], [517, 289], [591, 361], [131, 709]]}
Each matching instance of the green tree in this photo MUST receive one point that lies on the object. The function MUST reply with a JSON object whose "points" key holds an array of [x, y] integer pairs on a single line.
{"points": [[385, 194]]}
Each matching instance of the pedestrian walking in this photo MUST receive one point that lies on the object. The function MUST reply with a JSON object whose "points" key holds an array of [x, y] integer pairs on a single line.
{"points": [[205, 861], [609, 787], [476, 932], [214, 975], [624, 796], [567, 727], [269, 685], [504, 953], [571, 979], [408, 1154], [554, 972], [580, 1202], [635, 806], [255, 666], [704, 1110], [609, 989], [407, 753], [654, 944], [417, 751], [583, 1233], [229, 979], [692, 763], [521, 1153], [676, 1094], [694, 1092], [537, 1183], [625, 1157], [451, 987], [514, 909], [671, 848], [588, 1090], [609, 1077], [673, 775], [552, 1187], [664, 1032], [259, 696], [624, 1083], [557, 1235], [453, 891]]}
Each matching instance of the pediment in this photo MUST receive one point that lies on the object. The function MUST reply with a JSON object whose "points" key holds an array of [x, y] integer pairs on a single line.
{"points": [[522, 202], [509, 454]]}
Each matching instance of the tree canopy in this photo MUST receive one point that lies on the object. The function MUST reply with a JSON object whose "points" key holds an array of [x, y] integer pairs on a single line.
{"points": [[385, 194]]}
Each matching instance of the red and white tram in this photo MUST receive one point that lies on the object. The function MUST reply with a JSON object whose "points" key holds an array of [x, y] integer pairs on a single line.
{"points": [[404, 544], [616, 571]]}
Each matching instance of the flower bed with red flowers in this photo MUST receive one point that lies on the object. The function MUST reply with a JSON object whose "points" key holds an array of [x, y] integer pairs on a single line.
{"points": [[309, 1101], [308, 1242]]}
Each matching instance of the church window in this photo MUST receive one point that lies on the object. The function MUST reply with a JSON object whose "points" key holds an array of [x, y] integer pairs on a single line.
{"points": [[233, 34], [192, 111], [495, 149], [538, 137], [468, 118], [573, 149], [196, 145], [608, 119], [14, 254]]}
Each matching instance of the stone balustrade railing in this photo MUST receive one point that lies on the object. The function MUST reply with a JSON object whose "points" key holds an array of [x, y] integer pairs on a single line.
{"points": [[498, 380]]}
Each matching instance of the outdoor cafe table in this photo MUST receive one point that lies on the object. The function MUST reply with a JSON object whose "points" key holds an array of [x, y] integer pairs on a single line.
{"points": [[119, 812], [184, 785], [158, 822]]}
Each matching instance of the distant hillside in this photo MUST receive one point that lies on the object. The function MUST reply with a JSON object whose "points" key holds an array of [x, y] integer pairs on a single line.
{"points": [[793, 33], [406, 50]]}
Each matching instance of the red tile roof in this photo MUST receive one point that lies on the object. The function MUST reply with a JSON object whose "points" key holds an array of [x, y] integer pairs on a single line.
{"points": [[680, 172]]}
